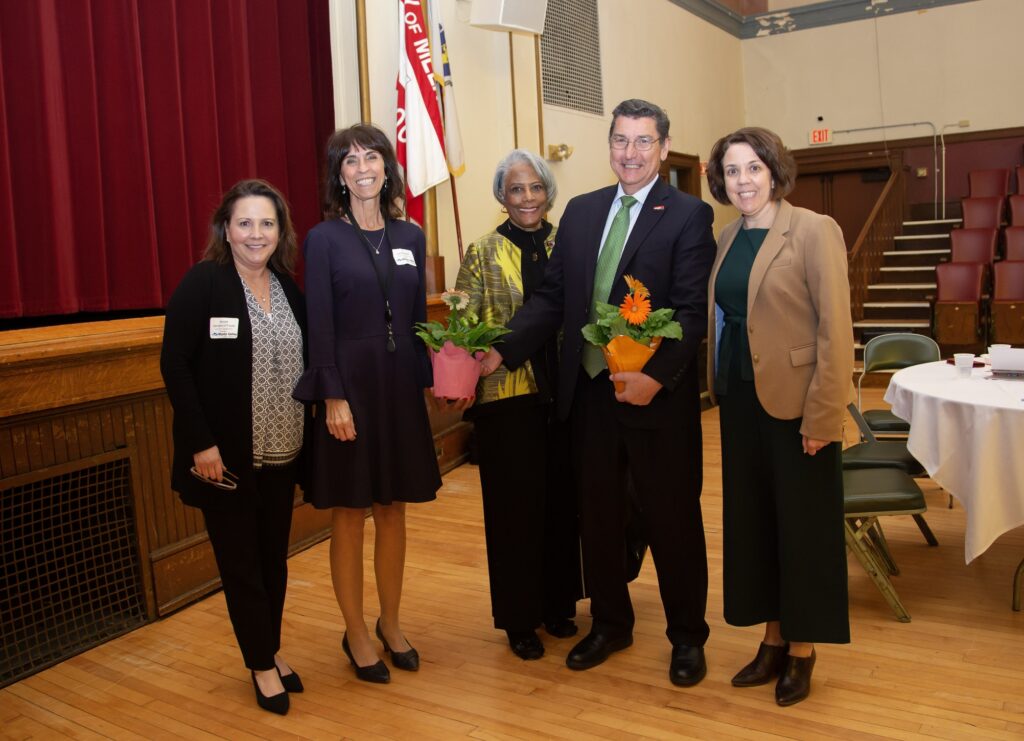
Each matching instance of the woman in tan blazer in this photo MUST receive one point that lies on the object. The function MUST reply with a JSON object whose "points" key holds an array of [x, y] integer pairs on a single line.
{"points": [[780, 361]]}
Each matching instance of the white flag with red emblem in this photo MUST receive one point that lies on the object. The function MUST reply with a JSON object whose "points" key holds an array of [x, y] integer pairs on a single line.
{"points": [[443, 78], [420, 147]]}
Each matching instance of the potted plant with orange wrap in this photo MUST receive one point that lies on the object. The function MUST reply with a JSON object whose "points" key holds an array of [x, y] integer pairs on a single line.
{"points": [[629, 334]]}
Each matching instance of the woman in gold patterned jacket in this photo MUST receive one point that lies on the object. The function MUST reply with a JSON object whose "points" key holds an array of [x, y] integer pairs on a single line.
{"points": [[529, 505]]}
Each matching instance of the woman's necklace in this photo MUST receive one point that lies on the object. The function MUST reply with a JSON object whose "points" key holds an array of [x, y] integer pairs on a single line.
{"points": [[383, 235], [261, 294]]}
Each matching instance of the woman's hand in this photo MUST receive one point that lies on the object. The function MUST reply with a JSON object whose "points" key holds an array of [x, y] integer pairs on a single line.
{"points": [[812, 446], [451, 405], [209, 464], [339, 420]]}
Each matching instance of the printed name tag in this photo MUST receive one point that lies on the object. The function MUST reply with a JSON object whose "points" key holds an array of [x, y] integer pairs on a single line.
{"points": [[404, 257], [223, 328]]}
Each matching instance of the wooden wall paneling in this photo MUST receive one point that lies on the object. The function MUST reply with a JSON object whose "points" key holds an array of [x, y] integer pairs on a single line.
{"points": [[6, 453], [142, 539]]}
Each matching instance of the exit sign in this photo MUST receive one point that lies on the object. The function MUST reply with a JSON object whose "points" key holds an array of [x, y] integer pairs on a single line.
{"points": [[820, 136]]}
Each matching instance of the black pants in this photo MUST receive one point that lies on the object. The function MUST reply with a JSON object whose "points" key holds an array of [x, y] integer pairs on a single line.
{"points": [[250, 543], [782, 515], [533, 557], [664, 464]]}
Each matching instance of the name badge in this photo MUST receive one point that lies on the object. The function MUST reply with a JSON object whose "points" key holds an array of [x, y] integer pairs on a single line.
{"points": [[223, 328], [404, 257]]}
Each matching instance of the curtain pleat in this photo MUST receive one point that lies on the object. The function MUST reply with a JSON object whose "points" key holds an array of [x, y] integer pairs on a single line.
{"points": [[122, 123]]}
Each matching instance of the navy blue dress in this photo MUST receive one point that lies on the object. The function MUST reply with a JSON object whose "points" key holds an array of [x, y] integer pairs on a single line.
{"points": [[392, 458]]}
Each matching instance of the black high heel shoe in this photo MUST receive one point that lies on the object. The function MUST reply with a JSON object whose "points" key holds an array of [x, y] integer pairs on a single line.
{"points": [[407, 660], [291, 682], [377, 673], [274, 703]]}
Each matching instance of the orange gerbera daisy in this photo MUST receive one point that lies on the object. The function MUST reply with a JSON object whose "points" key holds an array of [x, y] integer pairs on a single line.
{"points": [[636, 288], [635, 308]]}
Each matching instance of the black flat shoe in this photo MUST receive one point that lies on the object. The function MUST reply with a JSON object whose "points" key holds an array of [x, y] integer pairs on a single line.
{"points": [[274, 703], [525, 644], [292, 682], [765, 667], [688, 666], [794, 683], [407, 660], [595, 648], [561, 628], [377, 673]]}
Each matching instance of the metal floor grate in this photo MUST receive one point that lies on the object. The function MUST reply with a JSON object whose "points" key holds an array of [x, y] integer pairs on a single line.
{"points": [[69, 572]]}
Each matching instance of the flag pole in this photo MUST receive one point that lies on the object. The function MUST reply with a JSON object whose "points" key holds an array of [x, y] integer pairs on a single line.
{"points": [[458, 220]]}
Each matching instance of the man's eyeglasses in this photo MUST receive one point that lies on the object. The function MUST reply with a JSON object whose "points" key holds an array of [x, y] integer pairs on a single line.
{"points": [[641, 143], [229, 482]]}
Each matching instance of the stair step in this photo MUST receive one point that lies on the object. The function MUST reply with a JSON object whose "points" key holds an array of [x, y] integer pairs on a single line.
{"points": [[932, 221], [906, 286], [905, 253], [896, 304], [905, 268], [901, 323], [912, 237]]}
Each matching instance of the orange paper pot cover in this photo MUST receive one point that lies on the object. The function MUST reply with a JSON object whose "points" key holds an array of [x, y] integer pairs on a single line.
{"points": [[623, 353]]}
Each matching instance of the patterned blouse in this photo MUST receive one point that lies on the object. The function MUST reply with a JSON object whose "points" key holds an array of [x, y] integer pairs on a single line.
{"points": [[276, 366]]}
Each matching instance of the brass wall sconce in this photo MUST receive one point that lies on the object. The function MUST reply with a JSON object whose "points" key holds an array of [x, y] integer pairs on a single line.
{"points": [[559, 152]]}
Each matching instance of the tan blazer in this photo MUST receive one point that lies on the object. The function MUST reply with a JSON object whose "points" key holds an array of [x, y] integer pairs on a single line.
{"points": [[798, 321]]}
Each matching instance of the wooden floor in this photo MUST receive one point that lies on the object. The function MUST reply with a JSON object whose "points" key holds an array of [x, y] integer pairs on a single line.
{"points": [[956, 671]]}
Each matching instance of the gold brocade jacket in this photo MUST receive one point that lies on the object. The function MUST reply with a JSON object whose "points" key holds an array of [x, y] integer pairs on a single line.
{"points": [[492, 276]]}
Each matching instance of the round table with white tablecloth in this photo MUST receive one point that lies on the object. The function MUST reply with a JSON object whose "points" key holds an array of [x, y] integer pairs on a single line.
{"points": [[968, 433]]}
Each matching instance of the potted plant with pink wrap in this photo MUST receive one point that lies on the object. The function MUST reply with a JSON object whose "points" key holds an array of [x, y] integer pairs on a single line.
{"points": [[457, 346]]}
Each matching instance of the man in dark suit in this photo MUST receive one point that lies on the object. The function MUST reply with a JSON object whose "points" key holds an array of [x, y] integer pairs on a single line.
{"points": [[651, 430]]}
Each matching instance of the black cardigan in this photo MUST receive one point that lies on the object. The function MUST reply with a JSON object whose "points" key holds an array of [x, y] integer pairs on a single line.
{"points": [[209, 381]]}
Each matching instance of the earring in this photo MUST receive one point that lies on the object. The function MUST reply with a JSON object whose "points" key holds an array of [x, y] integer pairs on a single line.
{"points": [[773, 185], [344, 188]]}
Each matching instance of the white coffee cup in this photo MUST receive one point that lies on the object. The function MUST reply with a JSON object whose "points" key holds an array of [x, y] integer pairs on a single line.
{"points": [[993, 348], [964, 363]]}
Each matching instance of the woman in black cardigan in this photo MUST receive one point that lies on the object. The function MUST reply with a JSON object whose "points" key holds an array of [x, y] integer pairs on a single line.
{"points": [[233, 349]]}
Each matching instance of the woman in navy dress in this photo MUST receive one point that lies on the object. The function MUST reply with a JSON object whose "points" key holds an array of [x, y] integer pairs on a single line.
{"points": [[372, 446]]}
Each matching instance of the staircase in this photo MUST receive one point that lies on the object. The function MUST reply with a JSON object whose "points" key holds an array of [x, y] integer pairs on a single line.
{"points": [[902, 299]]}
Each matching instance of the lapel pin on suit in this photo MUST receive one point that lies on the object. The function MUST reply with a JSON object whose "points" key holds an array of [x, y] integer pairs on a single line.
{"points": [[659, 207]]}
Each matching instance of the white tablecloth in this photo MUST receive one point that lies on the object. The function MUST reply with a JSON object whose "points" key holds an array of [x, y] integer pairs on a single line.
{"points": [[968, 433]]}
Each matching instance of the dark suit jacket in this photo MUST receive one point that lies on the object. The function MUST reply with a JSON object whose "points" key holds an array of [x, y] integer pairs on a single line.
{"points": [[209, 381], [670, 249]]}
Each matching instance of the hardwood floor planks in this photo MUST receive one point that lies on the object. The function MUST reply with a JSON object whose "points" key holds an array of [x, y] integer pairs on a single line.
{"points": [[955, 672]]}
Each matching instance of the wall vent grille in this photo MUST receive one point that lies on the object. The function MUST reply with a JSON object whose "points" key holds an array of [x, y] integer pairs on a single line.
{"points": [[69, 571], [571, 56]]}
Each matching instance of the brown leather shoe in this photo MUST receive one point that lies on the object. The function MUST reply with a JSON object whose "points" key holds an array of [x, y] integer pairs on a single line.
{"points": [[765, 667], [794, 683]]}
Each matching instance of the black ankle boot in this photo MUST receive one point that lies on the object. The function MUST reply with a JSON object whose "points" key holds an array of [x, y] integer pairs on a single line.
{"points": [[794, 683], [765, 667]]}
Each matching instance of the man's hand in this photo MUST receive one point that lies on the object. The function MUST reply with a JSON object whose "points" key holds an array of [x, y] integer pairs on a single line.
{"points": [[339, 420], [639, 389], [490, 361]]}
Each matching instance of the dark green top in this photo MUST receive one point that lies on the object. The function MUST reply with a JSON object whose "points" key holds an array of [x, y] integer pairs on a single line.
{"points": [[731, 296]]}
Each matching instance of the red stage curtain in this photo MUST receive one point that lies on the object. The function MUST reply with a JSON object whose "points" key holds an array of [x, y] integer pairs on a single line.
{"points": [[123, 121]]}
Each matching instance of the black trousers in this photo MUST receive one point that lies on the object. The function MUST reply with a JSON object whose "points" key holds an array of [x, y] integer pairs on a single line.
{"points": [[250, 543], [665, 466], [782, 516], [533, 555]]}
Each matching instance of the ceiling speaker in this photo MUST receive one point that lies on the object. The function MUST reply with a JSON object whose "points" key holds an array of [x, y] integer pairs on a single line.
{"points": [[522, 16]]}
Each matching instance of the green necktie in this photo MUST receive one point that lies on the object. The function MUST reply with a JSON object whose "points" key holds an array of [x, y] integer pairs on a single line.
{"points": [[607, 263]]}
